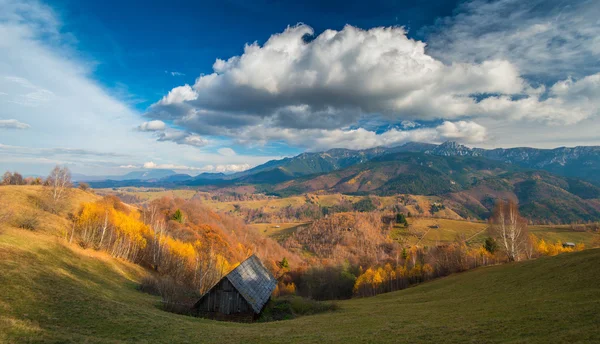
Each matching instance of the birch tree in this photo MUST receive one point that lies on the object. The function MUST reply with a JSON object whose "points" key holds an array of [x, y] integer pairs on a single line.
{"points": [[58, 185], [509, 229]]}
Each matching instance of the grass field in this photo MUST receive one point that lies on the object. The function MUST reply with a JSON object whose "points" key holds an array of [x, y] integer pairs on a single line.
{"points": [[431, 231], [24, 200], [51, 292], [278, 231], [434, 231], [150, 195], [554, 234]]}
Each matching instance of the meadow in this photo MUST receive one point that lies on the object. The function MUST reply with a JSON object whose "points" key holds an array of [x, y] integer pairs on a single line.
{"points": [[55, 292]]}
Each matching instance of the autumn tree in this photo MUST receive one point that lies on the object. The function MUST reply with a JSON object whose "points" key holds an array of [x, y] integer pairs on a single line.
{"points": [[509, 229]]}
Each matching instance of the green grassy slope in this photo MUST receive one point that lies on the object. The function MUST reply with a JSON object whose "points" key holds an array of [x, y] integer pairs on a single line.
{"points": [[51, 292]]}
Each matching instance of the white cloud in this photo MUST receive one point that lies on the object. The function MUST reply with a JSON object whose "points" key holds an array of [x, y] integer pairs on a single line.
{"points": [[206, 168], [129, 166], [182, 138], [155, 125], [232, 168], [468, 132], [226, 151], [332, 81], [75, 112], [409, 124], [323, 139], [13, 124], [342, 78], [544, 38], [174, 73]]}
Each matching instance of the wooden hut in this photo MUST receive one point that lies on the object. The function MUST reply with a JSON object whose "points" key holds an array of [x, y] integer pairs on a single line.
{"points": [[239, 296]]}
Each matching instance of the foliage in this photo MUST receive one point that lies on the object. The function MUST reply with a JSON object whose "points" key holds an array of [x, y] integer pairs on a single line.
{"points": [[290, 307], [552, 249], [365, 205], [490, 245], [401, 219], [323, 282], [178, 216]]}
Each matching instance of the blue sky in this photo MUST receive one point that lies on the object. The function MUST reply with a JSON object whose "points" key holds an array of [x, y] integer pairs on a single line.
{"points": [[106, 87]]}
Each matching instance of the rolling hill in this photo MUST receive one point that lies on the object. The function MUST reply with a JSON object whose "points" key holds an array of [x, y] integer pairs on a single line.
{"points": [[53, 292], [469, 184]]}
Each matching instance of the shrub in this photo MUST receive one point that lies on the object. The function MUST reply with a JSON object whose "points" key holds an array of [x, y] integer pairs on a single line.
{"points": [[490, 245], [149, 285], [84, 186], [28, 220], [291, 307], [176, 298]]}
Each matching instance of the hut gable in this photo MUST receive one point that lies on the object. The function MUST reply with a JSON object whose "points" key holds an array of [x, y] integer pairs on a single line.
{"points": [[240, 295], [253, 281]]}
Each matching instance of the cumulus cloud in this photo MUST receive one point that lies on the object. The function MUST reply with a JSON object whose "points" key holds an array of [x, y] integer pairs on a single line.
{"points": [[469, 132], [155, 125], [182, 138], [331, 81], [322, 139], [291, 87], [13, 124], [163, 133]]}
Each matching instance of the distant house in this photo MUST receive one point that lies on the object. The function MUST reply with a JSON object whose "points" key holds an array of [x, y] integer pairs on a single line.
{"points": [[239, 296], [568, 244]]}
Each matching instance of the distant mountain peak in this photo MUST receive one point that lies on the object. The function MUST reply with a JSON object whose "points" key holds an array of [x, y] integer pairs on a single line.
{"points": [[453, 148]]}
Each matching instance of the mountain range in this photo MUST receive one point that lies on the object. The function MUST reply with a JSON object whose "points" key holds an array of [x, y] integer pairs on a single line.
{"points": [[557, 185]]}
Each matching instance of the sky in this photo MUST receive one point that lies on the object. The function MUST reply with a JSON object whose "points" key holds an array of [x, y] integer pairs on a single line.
{"points": [[107, 87]]}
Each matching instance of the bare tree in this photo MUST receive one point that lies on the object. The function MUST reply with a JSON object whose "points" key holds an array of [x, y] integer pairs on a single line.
{"points": [[58, 185], [12, 179], [509, 229], [6, 177]]}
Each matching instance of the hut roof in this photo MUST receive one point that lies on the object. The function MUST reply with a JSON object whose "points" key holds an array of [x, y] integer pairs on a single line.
{"points": [[253, 281]]}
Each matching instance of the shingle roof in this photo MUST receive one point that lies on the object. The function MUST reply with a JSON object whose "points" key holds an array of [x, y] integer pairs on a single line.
{"points": [[252, 279]]}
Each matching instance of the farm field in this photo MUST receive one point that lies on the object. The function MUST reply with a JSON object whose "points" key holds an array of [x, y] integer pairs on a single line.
{"points": [[552, 234], [432, 231], [278, 231], [148, 195], [53, 292]]}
